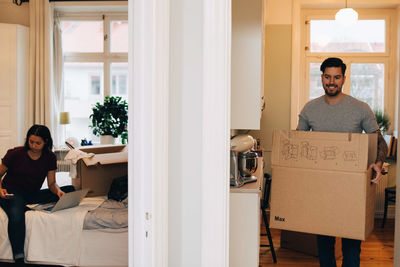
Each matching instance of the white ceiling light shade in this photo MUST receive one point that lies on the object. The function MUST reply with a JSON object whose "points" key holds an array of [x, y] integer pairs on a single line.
{"points": [[346, 16]]}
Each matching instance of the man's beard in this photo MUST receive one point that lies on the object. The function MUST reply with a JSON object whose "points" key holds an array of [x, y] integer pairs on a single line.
{"points": [[338, 91]]}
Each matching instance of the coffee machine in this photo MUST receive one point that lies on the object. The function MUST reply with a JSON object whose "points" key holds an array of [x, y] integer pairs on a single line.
{"points": [[243, 160]]}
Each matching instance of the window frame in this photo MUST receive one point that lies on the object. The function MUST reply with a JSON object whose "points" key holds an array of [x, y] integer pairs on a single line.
{"points": [[363, 14], [107, 57], [388, 58]]}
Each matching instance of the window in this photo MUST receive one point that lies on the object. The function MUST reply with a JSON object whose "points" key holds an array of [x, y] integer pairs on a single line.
{"points": [[368, 83], [364, 36], [95, 51], [95, 84], [367, 47], [119, 80]]}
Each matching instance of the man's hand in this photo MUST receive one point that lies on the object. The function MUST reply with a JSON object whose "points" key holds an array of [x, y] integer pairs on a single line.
{"points": [[379, 172]]}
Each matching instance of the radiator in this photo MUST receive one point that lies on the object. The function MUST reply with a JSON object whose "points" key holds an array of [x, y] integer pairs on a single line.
{"points": [[380, 197], [63, 165]]}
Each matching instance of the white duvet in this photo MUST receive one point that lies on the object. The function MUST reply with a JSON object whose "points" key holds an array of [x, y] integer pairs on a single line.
{"points": [[51, 237]]}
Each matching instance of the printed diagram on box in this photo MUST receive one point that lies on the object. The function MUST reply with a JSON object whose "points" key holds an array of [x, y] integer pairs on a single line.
{"points": [[289, 150], [329, 153], [350, 156], [309, 152]]}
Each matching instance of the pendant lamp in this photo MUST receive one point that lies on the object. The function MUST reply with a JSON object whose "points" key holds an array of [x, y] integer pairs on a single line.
{"points": [[346, 16]]}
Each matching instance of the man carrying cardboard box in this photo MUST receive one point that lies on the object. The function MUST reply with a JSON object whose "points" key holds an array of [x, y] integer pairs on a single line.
{"points": [[338, 112]]}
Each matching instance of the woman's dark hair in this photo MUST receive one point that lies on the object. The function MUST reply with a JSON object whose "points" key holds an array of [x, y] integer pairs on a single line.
{"points": [[43, 132], [333, 62]]}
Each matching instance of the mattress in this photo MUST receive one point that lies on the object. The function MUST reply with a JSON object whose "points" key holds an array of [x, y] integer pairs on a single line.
{"points": [[104, 248]]}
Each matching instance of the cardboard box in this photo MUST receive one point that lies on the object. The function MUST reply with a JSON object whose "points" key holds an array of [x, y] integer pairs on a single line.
{"points": [[305, 243], [321, 183], [97, 173]]}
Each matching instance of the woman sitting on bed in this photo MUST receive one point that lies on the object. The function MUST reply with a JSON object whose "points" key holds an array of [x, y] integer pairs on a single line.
{"points": [[26, 168]]}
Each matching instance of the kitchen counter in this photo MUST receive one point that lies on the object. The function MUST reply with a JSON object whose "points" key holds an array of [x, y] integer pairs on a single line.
{"points": [[254, 187]]}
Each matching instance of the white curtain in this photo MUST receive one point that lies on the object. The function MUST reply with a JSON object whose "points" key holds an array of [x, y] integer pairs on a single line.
{"points": [[58, 84], [39, 55], [45, 72]]}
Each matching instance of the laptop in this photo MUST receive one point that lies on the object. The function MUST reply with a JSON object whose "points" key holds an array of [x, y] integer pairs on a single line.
{"points": [[68, 200]]}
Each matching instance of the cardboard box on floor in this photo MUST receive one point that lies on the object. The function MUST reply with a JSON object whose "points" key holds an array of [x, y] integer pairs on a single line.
{"points": [[321, 183], [97, 173]]}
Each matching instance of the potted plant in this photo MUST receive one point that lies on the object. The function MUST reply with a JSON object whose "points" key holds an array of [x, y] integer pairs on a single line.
{"points": [[382, 119], [110, 119]]}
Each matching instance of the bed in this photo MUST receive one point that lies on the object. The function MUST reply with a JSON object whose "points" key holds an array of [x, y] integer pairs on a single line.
{"points": [[79, 236]]}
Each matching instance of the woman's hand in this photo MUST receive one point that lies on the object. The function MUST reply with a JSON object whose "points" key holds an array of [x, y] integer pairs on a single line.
{"points": [[51, 182], [3, 193], [3, 170], [60, 193]]}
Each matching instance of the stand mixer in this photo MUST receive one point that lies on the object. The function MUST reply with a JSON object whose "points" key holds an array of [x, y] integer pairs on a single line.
{"points": [[243, 160]]}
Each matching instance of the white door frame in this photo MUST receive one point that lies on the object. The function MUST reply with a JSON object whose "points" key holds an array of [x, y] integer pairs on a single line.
{"points": [[148, 132], [216, 132], [149, 74]]}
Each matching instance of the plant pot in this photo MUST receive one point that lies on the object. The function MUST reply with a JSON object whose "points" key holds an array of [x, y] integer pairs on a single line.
{"points": [[107, 139]]}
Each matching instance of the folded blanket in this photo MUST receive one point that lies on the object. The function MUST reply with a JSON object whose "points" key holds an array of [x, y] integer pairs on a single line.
{"points": [[74, 155], [5, 247], [110, 214]]}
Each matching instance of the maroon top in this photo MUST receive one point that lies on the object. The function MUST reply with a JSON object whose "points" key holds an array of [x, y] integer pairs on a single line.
{"points": [[25, 173]]}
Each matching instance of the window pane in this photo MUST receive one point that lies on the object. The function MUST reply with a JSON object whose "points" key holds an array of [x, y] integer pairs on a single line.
{"points": [[316, 89], [364, 36], [367, 83], [82, 36], [113, 85], [119, 36], [119, 80], [95, 84], [83, 87]]}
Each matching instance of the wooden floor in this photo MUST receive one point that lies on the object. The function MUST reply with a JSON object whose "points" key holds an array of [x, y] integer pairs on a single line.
{"points": [[377, 251]]}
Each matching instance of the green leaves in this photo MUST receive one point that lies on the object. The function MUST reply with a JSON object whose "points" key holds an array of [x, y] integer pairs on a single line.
{"points": [[382, 119], [110, 118]]}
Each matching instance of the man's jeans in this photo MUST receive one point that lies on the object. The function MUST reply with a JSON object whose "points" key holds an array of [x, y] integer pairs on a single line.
{"points": [[15, 209], [351, 250]]}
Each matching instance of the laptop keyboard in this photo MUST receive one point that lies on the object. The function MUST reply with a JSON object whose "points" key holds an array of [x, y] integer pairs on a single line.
{"points": [[49, 208]]}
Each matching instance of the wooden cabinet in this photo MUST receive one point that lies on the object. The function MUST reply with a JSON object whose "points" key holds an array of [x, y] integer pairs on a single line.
{"points": [[14, 58], [246, 65]]}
